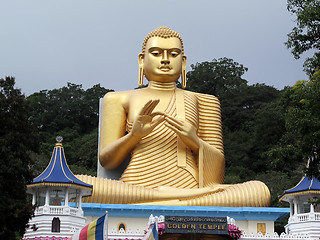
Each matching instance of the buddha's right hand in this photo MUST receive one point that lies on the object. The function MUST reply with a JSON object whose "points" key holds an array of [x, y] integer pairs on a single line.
{"points": [[144, 122]]}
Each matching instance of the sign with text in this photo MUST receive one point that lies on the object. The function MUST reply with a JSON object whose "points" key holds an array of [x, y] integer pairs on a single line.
{"points": [[204, 225]]}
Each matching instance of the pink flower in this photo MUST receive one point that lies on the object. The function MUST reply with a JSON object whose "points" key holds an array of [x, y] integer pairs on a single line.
{"points": [[234, 232]]}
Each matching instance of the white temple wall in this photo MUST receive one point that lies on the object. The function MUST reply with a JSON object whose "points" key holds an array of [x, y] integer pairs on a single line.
{"points": [[132, 224], [68, 225], [242, 225]]}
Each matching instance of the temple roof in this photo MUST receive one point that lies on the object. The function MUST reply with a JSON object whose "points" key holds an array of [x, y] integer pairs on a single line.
{"points": [[58, 173], [305, 186]]}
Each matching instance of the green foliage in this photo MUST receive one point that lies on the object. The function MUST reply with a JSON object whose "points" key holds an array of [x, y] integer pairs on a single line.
{"points": [[306, 35], [313, 168], [85, 151], [303, 116], [278, 181], [216, 77], [16, 140], [39, 163], [73, 113], [239, 105], [78, 169], [302, 128], [302, 125]]}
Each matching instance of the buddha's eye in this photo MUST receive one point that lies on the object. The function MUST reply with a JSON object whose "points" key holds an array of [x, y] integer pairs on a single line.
{"points": [[174, 54], [155, 53]]}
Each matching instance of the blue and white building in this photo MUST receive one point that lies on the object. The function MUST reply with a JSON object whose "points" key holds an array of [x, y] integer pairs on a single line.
{"points": [[304, 214], [57, 193]]}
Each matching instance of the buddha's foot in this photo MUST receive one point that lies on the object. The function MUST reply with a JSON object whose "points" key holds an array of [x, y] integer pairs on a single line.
{"points": [[179, 193], [248, 194]]}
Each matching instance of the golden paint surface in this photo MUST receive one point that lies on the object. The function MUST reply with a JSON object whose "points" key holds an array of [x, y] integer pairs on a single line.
{"points": [[261, 227]]}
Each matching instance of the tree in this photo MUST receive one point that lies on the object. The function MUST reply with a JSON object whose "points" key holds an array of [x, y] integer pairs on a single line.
{"points": [[240, 104], [73, 113], [216, 77], [302, 123], [252, 123], [303, 116], [16, 140], [306, 35]]}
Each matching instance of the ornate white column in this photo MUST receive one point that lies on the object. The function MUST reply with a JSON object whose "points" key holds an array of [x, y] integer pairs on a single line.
{"points": [[311, 208], [295, 202], [80, 199], [47, 197], [291, 207], [34, 198], [312, 216], [66, 198]]}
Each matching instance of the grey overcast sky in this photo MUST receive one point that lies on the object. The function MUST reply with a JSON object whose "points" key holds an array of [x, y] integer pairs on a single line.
{"points": [[45, 44]]}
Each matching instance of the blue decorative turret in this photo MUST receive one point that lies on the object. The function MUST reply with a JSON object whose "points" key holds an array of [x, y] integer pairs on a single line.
{"points": [[57, 193], [304, 214], [58, 173], [304, 187]]}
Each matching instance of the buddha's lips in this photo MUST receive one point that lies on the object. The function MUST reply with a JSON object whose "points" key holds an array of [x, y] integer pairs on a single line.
{"points": [[165, 68]]}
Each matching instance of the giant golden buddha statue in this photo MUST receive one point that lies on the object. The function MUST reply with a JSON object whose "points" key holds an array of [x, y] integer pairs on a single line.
{"points": [[173, 136]]}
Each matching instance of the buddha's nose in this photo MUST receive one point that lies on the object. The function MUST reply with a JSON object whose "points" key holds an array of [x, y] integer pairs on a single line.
{"points": [[165, 58]]}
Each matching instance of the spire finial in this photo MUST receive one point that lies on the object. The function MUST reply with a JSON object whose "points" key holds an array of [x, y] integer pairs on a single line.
{"points": [[59, 140]]}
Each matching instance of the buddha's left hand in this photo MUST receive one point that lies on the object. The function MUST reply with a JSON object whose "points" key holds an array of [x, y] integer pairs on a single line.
{"points": [[186, 131]]}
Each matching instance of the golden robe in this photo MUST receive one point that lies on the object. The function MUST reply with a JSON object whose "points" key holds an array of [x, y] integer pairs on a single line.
{"points": [[162, 159]]}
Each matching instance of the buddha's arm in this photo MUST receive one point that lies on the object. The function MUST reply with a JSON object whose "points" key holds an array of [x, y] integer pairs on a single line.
{"points": [[112, 131], [115, 145], [211, 155], [205, 142]]}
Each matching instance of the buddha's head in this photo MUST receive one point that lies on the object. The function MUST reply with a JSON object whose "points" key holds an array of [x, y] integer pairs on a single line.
{"points": [[162, 58]]}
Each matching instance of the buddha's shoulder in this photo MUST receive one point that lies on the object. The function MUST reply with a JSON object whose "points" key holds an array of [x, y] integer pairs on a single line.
{"points": [[202, 97], [120, 97]]}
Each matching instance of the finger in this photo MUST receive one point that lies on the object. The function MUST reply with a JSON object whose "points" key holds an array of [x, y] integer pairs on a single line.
{"points": [[156, 122], [173, 128], [173, 123], [152, 106], [157, 113], [174, 120], [145, 108]]}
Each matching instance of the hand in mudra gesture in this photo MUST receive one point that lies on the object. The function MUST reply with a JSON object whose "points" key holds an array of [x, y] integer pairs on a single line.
{"points": [[185, 130], [144, 122]]}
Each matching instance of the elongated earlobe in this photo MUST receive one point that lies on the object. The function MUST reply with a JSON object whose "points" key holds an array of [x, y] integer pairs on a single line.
{"points": [[140, 76], [140, 61], [184, 72], [184, 78]]}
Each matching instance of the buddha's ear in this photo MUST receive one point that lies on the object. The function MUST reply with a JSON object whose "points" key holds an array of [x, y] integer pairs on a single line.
{"points": [[184, 72], [141, 61]]}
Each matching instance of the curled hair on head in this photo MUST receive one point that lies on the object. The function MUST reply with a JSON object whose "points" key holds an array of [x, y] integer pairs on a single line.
{"points": [[163, 32]]}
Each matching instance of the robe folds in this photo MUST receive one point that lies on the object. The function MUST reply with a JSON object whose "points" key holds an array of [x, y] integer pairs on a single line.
{"points": [[162, 159]]}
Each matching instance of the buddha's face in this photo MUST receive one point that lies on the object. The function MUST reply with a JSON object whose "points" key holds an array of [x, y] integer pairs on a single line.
{"points": [[163, 59]]}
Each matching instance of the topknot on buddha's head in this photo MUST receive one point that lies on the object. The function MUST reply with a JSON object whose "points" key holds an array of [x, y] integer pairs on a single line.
{"points": [[163, 32]]}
